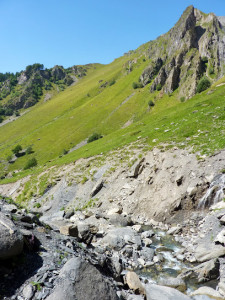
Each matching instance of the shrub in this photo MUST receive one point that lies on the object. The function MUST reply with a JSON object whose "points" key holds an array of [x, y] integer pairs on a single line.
{"points": [[112, 82], [31, 163], [1, 119], [65, 151], [94, 137], [29, 150], [9, 157], [37, 205], [17, 149], [211, 70], [84, 179], [182, 99], [137, 85], [151, 103], [204, 59], [203, 84], [8, 112], [158, 87]]}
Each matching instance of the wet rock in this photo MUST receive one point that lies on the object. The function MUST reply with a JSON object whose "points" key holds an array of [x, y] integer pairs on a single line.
{"points": [[11, 240], [147, 234], [147, 253], [176, 283], [205, 290], [147, 242], [137, 228], [208, 270], [154, 292], [80, 280], [134, 283], [174, 230]]}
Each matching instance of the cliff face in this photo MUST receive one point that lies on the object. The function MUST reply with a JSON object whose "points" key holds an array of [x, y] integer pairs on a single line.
{"points": [[192, 48]]}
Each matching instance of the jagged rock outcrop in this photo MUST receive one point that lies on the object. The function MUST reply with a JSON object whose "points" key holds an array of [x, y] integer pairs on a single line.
{"points": [[192, 48], [34, 82]]}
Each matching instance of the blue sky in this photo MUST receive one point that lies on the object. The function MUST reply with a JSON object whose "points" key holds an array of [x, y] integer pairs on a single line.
{"points": [[73, 32]]}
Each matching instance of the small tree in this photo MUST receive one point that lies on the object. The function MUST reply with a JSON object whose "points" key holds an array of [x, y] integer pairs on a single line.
{"points": [[29, 150], [17, 150], [203, 84], [137, 85], [112, 82], [31, 163], [94, 137], [151, 103], [159, 87]]}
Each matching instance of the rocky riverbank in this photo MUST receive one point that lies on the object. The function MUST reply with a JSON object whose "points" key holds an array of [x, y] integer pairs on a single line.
{"points": [[77, 255]]}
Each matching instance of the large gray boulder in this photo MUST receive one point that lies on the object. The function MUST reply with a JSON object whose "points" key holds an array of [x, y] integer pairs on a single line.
{"points": [[208, 251], [156, 292], [79, 280], [11, 240], [119, 237]]}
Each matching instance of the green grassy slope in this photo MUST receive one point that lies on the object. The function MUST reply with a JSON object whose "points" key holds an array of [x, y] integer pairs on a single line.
{"points": [[73, 115]]}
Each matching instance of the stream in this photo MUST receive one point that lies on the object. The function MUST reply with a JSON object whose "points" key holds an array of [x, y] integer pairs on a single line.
{"points": [[171, 264]]}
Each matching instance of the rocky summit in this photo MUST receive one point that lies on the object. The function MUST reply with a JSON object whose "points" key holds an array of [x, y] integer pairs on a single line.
{"points": [[112, 177], [192, 48]]}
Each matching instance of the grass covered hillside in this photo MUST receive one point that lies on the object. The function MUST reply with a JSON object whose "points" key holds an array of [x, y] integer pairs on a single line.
{"points": [[116, 103]]}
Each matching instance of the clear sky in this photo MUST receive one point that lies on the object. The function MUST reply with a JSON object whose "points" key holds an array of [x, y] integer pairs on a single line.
{"points": [[69, 32]]}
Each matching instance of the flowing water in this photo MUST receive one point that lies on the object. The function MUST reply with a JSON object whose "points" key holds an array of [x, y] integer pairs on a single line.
{"points": [[170, 266], [215, 192]]}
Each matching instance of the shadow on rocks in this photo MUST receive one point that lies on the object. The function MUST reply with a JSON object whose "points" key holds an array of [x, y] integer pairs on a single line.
{"points": [[16, 270]]}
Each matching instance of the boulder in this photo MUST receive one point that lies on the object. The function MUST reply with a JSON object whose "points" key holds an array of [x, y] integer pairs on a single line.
{"points": [[80, 280], [208, 251], [119, 237], [134, 283], [118, 220], [115, 210], [147, 253], [207, 270], [176, 283], [84, 233], [174, 230], [11, 240], [28, 291], [206, 290], [156, 292], [220, 238], [69, 229]]}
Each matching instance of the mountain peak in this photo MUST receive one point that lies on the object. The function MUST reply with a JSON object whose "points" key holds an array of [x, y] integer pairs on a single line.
{"points": [[193, 48]]}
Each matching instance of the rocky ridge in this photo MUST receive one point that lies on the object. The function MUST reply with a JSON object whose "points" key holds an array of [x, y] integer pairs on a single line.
{"points": [[193, 48]]}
